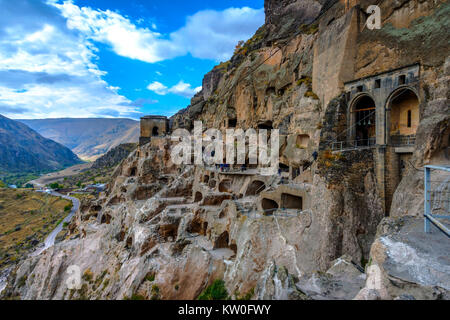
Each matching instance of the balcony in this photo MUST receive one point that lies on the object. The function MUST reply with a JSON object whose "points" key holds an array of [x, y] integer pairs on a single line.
{"points": [[342, 146], [403, 141]]}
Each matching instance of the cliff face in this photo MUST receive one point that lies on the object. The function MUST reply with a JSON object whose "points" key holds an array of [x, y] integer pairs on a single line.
{"points": [[167, 231]]}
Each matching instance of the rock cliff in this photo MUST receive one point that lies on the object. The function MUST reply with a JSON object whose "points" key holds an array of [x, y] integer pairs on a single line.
{"points": [[316, 230]]}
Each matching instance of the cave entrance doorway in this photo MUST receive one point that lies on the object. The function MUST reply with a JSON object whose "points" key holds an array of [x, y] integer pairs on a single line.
{"points": [[225, 186], [198, 197], [269, 205], [267, 125], [255, 188], [289, 201], [222, 240]]}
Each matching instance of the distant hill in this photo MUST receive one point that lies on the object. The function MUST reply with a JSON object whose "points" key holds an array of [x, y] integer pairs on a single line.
{"points": [[24, 150], [114, 156], [88, 138]]}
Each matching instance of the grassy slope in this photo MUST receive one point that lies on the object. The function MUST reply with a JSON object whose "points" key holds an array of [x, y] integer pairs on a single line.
{"points": [[33, 215]]}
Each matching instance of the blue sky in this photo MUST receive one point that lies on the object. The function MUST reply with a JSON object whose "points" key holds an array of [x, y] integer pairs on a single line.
{"points": [[116, 58]]}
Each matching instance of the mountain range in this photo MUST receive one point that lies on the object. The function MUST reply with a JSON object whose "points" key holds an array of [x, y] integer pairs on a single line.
{"points": [[88, 138], [24, 150]]}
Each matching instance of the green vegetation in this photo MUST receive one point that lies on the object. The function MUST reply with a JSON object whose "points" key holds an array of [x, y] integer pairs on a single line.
{"points": [[304, 80], [310, 94], [68, 207], [26, 218], [150, 276], [246, 296], [18, 179], [22, 281], [88, 275], [155, 292], [55, 185], [216, 291], [2, 184], [309, 28]]}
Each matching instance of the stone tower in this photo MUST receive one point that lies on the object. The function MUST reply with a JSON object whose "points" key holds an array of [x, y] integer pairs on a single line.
{"points": [[153, 126]]}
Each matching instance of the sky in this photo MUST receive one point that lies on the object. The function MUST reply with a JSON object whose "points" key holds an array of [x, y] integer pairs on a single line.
{"points": [[114, 58]]}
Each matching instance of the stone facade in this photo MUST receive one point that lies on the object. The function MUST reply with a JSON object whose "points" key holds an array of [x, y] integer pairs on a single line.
{"points": [[153, 126]]}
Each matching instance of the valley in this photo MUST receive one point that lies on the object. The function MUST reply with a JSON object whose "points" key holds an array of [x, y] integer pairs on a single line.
{"points": [[26, 218]]}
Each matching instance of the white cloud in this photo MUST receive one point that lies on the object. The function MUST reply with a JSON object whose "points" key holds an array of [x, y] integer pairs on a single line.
{"points": [[208, 34], [47, 70], [48, 61], [181, 88], [214, 34], [158, 88]]}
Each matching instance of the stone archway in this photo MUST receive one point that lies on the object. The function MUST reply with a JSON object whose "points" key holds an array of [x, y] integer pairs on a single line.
{"points": [[403, 115], [155, 131], [363, 120]]}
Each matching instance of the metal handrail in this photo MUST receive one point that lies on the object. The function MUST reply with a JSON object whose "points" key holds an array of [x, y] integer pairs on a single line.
{"points": [[353, 144], [428, 214]]}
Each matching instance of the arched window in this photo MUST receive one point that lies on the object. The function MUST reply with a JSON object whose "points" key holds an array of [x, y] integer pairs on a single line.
{"points": [[155, 131]]}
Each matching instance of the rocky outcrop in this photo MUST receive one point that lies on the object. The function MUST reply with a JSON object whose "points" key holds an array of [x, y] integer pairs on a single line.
{"points": [[166, 231], [114, 156], [407, 264]]}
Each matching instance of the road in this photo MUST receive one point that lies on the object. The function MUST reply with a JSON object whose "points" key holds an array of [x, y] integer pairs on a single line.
{"points": [[50, 240]]}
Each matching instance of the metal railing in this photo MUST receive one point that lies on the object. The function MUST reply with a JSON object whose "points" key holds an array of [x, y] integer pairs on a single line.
{"points": [[398, 141], [437, 197], [353, 144]]}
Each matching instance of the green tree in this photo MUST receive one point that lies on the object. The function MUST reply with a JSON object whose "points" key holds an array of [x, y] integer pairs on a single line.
{"points": [[216, 291]]}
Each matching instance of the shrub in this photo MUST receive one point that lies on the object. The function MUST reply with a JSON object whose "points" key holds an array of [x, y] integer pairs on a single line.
{"points": [[310, 94], [88, 275], [155, 292], [22, 281], [137, 297], [246, 296], [304, 80], [150, 277], [216, 291]]}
